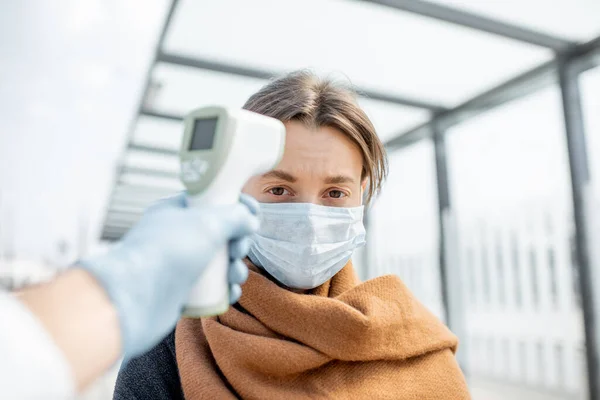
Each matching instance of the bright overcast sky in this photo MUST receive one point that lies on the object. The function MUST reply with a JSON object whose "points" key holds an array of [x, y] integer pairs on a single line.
{"points": [[71, 75]]}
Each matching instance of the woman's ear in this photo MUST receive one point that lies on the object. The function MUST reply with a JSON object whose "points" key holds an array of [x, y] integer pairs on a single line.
{"points": [[363, 190], [363, 184]]}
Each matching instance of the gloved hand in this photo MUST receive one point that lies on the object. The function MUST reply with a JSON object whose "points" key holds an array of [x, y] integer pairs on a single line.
{"points": [[149, 274]]}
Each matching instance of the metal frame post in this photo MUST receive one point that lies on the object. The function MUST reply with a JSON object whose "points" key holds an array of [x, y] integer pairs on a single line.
{"points": [[450, 273], [584, 220]]}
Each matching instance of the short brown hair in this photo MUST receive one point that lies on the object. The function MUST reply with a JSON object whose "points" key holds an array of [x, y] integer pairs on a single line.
{"points": [[302, 96]]}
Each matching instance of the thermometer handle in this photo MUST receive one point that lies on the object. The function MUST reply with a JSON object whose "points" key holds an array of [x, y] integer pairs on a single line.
{"points": [[210, 295]]}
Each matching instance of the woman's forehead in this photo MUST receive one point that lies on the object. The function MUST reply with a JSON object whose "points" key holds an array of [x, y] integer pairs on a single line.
{"points": [[322, 152]]}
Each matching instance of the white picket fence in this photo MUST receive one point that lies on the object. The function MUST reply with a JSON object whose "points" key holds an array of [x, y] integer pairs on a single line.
{"points": [[524, 321], [524, 318]]}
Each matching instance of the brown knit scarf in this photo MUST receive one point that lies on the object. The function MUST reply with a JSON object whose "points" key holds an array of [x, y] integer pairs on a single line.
{"points": [[344, 340]]}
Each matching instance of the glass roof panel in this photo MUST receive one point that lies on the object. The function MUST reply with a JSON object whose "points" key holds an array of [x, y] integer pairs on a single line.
{"points": [[409, 195], [182, 89], [578, 20], [376, 47], [158, 132], [522, 143], [391, 119]]}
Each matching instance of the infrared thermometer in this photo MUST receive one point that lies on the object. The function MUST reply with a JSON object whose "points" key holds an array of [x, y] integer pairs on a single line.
{"points": [[221, 149]]}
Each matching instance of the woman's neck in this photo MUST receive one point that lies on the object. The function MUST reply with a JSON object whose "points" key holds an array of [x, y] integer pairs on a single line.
{"points": [[264, 273]]}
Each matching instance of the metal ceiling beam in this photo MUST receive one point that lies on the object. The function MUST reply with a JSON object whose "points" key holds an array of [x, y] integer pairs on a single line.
{"points": [[215, 66], [141, 194], [120, 224], [144, 200], [159, 183], [112, 235], [145, 88], [129, 208], [410, 137], [587, 56], [517, 87], [478, 22], [211, 65], [124, 215], [128, 202], [108, 237], [118, 227], [121, 221], [150, 172], [114, 231], [158, 187], [138, 188], [125, 207], [137, 195], [144, 203], [155, 114], [153, 149], [586, 48]]}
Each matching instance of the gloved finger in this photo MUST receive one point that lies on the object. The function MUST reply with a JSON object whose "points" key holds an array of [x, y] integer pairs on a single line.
{"points": [[238, 272], [238, 221], [177, 201], [250, 202], [238, 248], [235, 292]]}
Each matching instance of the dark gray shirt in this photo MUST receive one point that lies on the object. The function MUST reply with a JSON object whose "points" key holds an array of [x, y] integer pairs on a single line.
{"points": [[153, 375]]}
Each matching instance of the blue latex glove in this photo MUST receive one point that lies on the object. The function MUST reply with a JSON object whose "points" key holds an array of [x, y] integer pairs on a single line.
{"points": [[149, 274]]}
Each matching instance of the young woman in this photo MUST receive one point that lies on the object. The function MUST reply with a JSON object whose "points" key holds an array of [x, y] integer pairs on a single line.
{"points": [[305, 326]]}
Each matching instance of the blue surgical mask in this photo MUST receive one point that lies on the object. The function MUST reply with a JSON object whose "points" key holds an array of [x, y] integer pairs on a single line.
{"points": [[303, 245]]}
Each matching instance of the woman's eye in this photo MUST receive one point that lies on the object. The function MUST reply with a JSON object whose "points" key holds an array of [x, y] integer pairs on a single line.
{"points": [[278, 191], [336, 194]]}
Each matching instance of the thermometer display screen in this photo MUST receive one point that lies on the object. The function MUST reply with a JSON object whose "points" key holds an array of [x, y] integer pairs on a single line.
{"points": [[203, 136]]}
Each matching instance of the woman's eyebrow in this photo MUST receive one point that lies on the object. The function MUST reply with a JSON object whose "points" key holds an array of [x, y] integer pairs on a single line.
{"points": [[337, 179], [279, 174]]}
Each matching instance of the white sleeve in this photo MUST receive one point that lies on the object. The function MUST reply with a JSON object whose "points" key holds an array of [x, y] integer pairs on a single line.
{"points": [[31, 365]]}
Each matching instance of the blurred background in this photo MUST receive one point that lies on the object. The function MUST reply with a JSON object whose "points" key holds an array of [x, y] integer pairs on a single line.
{"points": [[490, 111]]}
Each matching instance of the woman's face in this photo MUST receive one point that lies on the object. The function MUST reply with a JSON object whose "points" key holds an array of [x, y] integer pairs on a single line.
{"points": [[319, 166]]}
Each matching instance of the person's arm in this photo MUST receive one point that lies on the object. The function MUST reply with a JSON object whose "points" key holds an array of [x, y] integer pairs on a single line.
{"points": [[121, 303], [75, 310]]}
